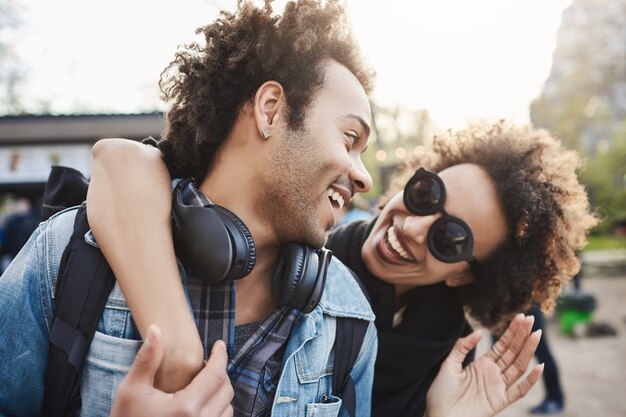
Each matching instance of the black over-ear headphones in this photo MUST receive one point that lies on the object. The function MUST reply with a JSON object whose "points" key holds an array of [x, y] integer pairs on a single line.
{"points": [[214, 244]]}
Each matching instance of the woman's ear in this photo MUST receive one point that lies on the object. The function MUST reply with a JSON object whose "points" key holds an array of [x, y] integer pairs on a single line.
{"points": [[268, 104], [460, 279]]}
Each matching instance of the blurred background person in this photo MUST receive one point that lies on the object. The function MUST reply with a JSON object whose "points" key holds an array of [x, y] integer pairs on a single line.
{"points": [[554, 401], [358, 209], [17, 229]]}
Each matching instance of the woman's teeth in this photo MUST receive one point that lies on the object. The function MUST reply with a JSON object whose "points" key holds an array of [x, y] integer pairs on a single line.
{"points": [[396, 246], [336, 198]]}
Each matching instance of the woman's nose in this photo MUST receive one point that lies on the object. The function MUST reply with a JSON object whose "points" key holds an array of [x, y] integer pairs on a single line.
{"points": [[416, 228]]}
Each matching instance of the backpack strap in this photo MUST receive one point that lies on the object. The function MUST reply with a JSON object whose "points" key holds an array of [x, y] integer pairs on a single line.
{"points": [[84, 283], [349, 337]]}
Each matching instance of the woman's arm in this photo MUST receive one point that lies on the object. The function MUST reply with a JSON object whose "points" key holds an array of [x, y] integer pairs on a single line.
{"points": [[128, 208]]}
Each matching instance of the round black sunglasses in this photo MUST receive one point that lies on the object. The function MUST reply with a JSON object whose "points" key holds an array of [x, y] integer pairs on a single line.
{"points": [[450, 239]]}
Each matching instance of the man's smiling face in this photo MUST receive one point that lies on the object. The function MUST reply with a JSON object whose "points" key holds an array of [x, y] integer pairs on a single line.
{"points": [[317, 169]]}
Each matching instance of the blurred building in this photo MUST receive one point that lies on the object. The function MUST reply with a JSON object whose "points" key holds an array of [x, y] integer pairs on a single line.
{"points": [[30, 145]]}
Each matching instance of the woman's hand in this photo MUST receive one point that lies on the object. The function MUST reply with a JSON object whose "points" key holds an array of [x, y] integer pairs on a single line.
{"points": [[488, 385], [183, 360]]}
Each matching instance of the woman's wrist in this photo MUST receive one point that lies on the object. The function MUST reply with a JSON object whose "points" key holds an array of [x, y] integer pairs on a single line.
{"points": [[183, 359]]}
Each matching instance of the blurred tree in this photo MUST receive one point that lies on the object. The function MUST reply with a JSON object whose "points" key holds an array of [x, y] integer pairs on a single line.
{"points": [[584, 98], [605, 177], [583, 101], [10, 74], [574, 112], [396, 135]]}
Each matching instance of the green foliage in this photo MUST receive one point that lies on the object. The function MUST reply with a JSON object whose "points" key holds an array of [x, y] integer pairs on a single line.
{"points": [[605, 178], [602, 242]]}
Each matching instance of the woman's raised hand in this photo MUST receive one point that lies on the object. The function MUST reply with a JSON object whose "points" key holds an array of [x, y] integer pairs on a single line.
{"points": [[489, 384]]}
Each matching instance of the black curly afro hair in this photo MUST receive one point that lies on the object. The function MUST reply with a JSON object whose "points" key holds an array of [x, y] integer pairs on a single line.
{"points": [[207, 85]]}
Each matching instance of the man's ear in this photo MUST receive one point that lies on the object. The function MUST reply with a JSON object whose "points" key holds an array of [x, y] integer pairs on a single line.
{"points": [[268, 104], [460, 279]]}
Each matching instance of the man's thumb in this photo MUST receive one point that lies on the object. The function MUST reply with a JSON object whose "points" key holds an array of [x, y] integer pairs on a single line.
{"points": [[219, 358], [148, 358]]}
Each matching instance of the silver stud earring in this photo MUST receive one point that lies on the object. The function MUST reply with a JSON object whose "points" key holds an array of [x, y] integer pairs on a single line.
{"points": [[266, 133]]}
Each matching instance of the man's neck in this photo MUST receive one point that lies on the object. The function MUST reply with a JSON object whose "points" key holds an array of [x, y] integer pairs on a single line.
{"points": [[233, 184], [254, 292], [254, 295]]}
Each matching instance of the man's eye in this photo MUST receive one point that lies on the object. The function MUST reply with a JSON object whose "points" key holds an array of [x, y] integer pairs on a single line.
{"points": [[353, 138]]}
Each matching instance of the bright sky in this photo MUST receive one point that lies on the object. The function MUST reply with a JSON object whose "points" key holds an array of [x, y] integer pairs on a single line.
{"points": [[459, 59]]}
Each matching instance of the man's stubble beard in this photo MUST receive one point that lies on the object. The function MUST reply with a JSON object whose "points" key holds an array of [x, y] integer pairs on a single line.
{"points": [[290, 198]]}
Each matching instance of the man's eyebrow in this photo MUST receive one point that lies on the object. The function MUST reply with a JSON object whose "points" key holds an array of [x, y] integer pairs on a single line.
{"points": [[362, 122]]}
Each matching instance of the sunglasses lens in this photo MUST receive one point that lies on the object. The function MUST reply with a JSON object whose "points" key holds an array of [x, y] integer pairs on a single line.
{"points": [[424, 195], [450, 240]]}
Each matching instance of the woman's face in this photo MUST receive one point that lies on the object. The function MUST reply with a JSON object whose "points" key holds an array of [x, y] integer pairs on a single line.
{"points": [[396, 250]]}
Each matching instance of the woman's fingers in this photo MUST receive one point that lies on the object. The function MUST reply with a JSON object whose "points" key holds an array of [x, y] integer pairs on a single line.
{"points": [[505, 340], [517, 342], [519, 365], [513, 345], [516, 392]]}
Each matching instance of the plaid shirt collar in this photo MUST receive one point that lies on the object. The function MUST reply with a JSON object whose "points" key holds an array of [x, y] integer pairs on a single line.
{"points": [[254, 369]]}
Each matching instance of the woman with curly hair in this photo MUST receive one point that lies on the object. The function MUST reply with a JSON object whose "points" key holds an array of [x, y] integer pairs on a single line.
{"points": [[492, 226], [485, 221]]}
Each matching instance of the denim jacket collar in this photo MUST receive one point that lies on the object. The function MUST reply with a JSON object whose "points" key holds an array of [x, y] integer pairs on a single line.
{"points": [[343, 296]]}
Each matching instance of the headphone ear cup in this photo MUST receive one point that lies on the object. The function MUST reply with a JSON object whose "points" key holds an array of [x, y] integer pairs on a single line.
{"points": [[244, 251], [202, 242], [288, 274], [299, 277], [213, 243]]}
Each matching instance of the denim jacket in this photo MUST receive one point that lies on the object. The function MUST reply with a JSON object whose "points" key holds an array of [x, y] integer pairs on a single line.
{"points": [[26, 312]]}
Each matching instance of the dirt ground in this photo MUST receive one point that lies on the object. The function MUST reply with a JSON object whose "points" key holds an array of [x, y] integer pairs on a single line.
{"points": [[592, 370]]}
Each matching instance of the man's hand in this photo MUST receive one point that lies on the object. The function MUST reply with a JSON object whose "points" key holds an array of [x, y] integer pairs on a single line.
{"points": [[208, 394], [182, 361], [487, 385]]}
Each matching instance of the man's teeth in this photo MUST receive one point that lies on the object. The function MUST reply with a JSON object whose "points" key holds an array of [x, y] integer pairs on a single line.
{"points": [[335, 196], [395, 245]]}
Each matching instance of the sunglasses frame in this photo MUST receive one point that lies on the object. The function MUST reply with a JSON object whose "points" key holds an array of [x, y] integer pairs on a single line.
{"points": [[467, 255]]}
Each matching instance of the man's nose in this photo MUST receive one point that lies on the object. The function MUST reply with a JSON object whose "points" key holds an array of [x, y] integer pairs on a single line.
{"points": [[359, 176]]}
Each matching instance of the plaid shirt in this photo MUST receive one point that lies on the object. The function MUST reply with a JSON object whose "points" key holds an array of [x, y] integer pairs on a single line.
{"points": [[254, 369]]}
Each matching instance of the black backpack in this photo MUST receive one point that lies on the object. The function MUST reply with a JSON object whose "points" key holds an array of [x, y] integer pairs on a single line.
{"points": [[82, 289]]}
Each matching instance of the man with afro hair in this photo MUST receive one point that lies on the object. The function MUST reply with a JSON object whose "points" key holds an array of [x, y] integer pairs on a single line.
{"points": [[268, 118]]}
